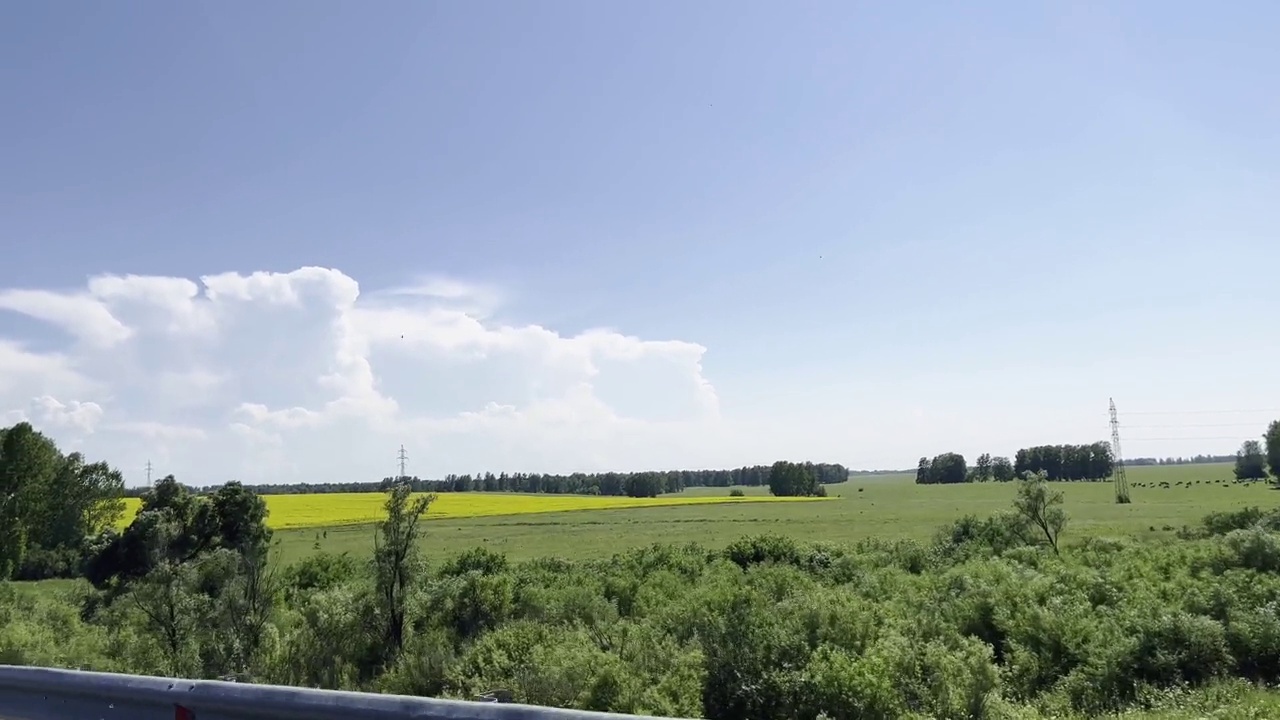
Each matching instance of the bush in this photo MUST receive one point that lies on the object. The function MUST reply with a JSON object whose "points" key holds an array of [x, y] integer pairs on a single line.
{"points": [[736, 492], [1255, 549], [321, 571], [1254, 639], [987, 536], [1179, 648], [1221, 523], [478, 559], [761, 549], [42, 564]]}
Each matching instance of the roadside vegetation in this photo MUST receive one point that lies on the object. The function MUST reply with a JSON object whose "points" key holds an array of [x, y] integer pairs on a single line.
{"points": [[985, 620]]}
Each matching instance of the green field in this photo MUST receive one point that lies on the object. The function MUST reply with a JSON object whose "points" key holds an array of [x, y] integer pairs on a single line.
{"points": [[868, 506]]}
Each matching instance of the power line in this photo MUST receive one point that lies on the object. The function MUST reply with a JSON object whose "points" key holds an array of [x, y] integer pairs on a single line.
{"points": [[1196, 425], [1173, 415], [1187, 437], [1200, 412]]}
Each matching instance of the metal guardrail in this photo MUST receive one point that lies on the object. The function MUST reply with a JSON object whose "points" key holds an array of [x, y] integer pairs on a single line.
{"points": [[34, 693]]}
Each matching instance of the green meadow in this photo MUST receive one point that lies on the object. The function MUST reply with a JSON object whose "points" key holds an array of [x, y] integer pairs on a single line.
{"points": [[889, 506]]}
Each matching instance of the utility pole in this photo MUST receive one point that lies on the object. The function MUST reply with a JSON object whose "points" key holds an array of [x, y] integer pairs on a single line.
{"points": [[403, 457], [1122, 482]]}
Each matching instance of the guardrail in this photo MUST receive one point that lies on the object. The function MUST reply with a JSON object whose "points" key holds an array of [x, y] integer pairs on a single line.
{"points": [[34, 693]]}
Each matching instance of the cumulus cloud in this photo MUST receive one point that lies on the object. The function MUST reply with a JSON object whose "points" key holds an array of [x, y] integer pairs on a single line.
{"points": [[302, 376], [79, 314], [81, 416]]}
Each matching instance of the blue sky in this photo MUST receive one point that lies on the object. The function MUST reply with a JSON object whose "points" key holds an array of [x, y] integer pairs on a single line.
{"points": [[627, 236]]}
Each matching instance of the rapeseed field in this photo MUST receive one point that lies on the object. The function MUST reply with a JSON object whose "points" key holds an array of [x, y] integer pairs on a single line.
{"points": [[331, 509]]}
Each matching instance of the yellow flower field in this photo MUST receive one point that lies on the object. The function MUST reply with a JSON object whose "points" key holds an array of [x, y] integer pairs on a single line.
{"points": [[329, 509]]}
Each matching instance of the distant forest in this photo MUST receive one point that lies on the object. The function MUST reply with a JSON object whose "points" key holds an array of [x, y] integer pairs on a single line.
{"points": [[1194, 460], [613, 483], [616, 483]]}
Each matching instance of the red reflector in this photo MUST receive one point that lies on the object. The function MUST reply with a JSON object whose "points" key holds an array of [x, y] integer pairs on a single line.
{"points": [[181, 713]]}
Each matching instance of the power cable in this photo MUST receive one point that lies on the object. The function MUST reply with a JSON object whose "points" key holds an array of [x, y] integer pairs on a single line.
{"points": [[1166, 439], [1193, 425], [1199, 412]]}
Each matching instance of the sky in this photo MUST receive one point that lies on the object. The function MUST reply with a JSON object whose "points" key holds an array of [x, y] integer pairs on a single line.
{"points": [[273, 242]]}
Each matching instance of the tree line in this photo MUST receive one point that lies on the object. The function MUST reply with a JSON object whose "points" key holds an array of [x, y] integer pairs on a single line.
{"points": [[1067, 462], [636, 484], [1256, 460], [998, 465], [1057, 462], [633, 484], [1191, 460]]}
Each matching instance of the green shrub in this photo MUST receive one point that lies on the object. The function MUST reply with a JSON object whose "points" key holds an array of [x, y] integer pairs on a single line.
{"points": [[975, 625], [763, 549], [477, 559]]}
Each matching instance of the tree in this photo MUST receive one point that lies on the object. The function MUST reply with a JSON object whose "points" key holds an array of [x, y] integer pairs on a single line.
{"points": [[177, 526], [396, 561], [983, 467], [788, 479], [1002, 470], [172, 612], [13, 535], [1041, 507], [173, 526], [1251, 464], [1273, 448], [243, 605], [643, 485], [948, 468], [89, 500], [242, 520], [104, 486], [1101, 461], [28, 463], [922, 472]]}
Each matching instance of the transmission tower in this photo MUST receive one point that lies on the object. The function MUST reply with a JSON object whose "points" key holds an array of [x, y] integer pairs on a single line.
{"points": [[1122, 482], [403, 457], [148, 474]]}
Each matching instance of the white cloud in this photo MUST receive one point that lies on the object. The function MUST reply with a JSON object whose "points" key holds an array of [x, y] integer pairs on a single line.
{"points": [[30, 374], [299, 376], [81, 416], [476, 299], [80, 314], [155, 431]]}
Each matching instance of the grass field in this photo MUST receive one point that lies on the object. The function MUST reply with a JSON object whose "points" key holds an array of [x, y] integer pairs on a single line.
{"points": [[891, 506], [869, 506]]}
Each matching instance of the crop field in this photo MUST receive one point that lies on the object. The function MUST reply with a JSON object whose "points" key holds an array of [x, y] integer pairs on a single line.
{"points": [[336, 509], [890, 506]]}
